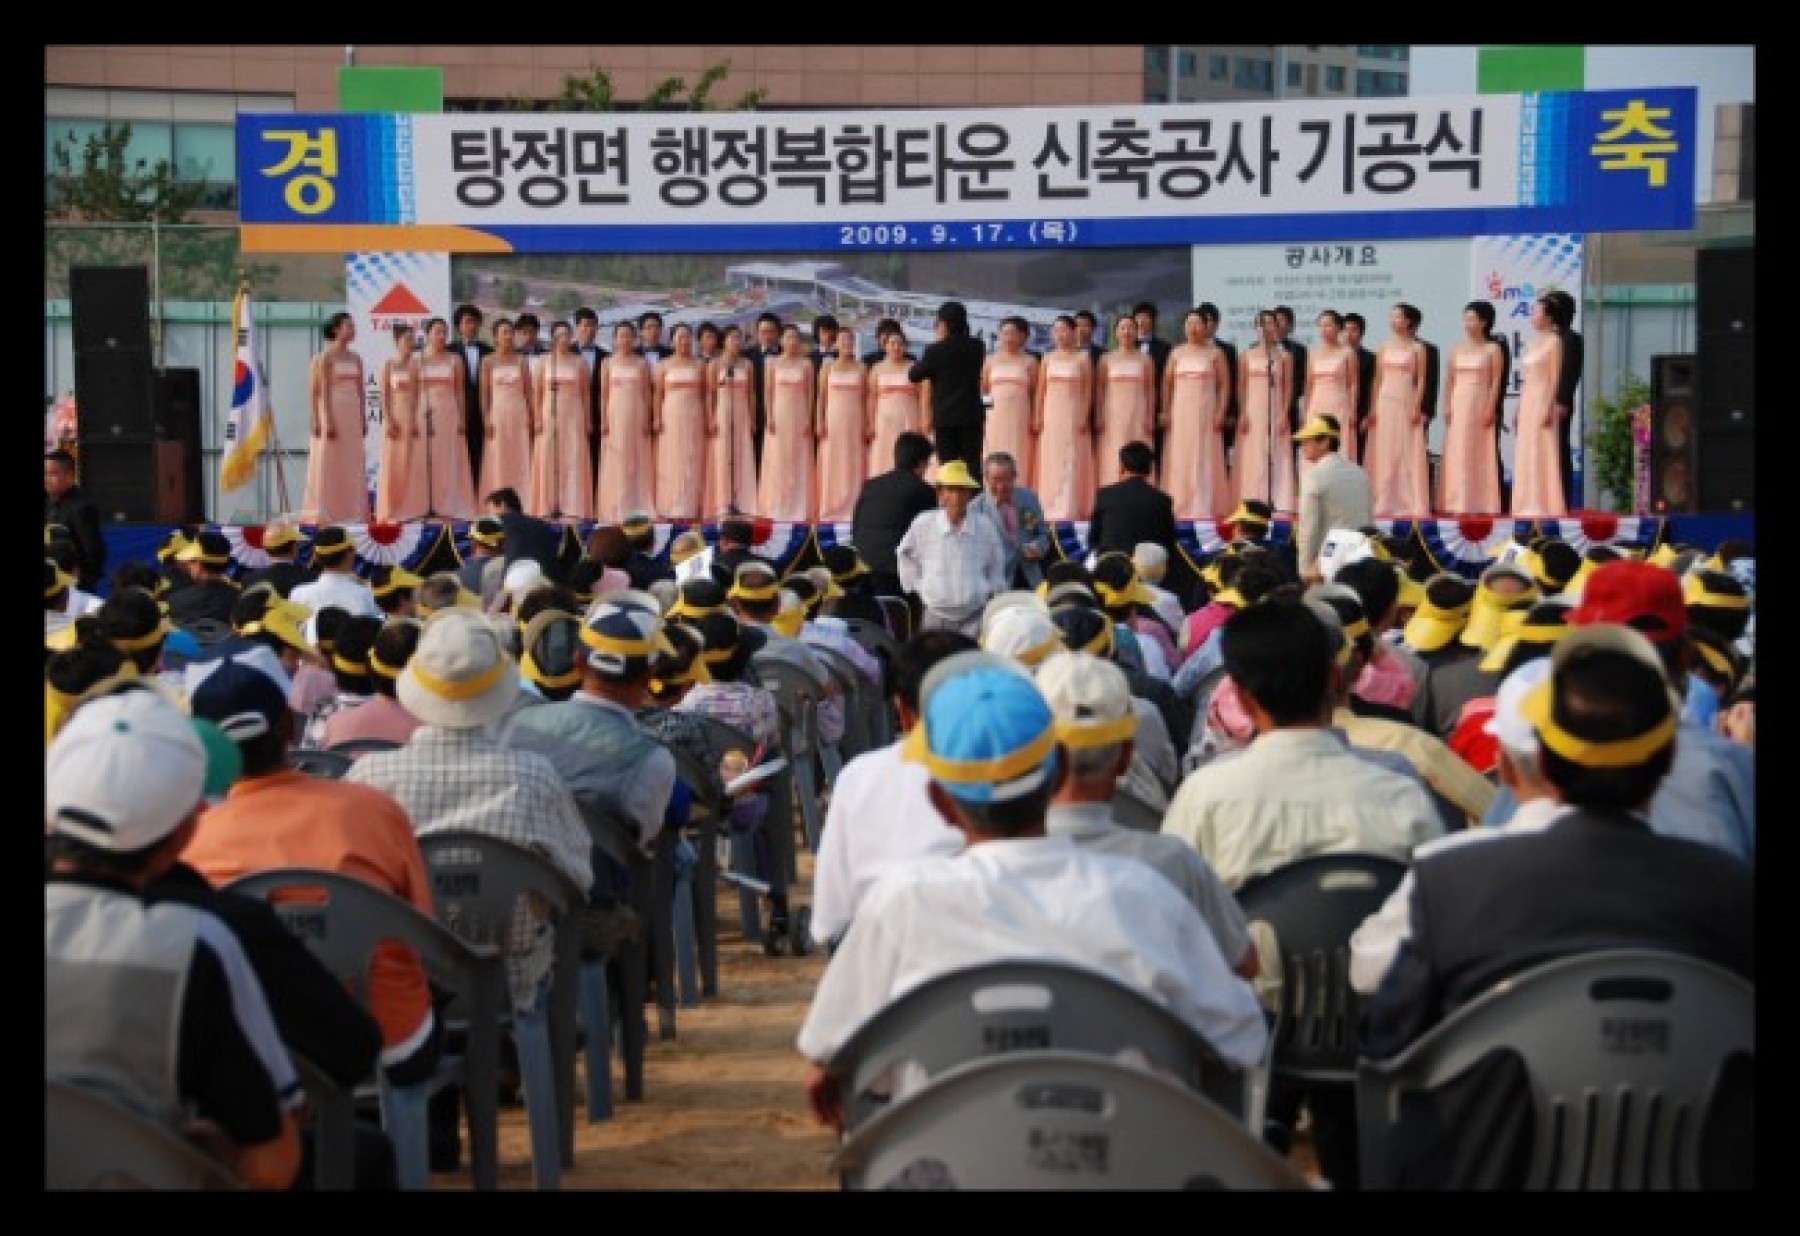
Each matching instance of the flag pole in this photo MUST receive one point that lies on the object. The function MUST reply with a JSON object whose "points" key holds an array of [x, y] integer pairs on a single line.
{"points": [[281, 489]]}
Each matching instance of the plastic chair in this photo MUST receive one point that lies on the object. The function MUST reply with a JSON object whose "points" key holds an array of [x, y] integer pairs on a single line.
{"points": [[1132, 812], [477, 881], [92, 1141], [1312, 905], [853, 689], [1058, 1121], [1624, 1049], [721, 737], [342, 919], [354, 747], [795, 696], [317, 762], [696, 929], [1032, 1005]]}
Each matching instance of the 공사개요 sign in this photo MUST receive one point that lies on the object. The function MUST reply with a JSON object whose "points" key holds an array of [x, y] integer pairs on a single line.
{"points": [[1214, 173]]}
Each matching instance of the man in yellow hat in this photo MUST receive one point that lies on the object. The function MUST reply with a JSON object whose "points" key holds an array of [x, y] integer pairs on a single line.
{"points": [[1334, 492], [953, 563]]}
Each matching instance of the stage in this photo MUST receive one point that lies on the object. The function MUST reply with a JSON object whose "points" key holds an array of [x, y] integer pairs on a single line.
{"points": [[1466, 546]]}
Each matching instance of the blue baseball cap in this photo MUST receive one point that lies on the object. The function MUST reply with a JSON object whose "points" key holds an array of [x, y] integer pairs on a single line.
{"points": [[985, 734]]}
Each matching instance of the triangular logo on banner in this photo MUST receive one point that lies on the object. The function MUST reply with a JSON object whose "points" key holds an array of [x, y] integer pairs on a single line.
{"points": [[400, 301]]}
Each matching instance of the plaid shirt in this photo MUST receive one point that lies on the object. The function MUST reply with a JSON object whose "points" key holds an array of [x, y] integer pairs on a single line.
{"points": [[461, 779], [744, 705], [954, 569]]}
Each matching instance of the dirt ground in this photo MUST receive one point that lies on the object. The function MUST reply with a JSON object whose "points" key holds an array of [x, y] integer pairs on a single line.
{"points": [[723, 1106]]}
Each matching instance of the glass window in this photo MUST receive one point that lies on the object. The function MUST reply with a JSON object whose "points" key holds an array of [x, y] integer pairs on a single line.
{"points": [[205, 152], [1156, 59], [1185, 63], [72, 136], [152, 142], [1293, 75], [1218, 67], [1254, 75], [1334, 78], [1373, 85]]}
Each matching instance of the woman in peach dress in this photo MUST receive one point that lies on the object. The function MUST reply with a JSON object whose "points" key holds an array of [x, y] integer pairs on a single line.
{"points": [[787, 493], [1331, 382], [1064, 427], [896, 401], [1469, 480], [843, 428], [1264, 464], [1009, 380], [400, 487], [450, 486], [1196, 378], [337, 488], [507, 414], [1126, 379], [1537, 478], [1399, 473], [680, 429], [627, 480], [731, 471], [560, 484]]}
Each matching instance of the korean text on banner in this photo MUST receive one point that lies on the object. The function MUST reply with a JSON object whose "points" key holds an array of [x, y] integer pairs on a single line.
{"points": [[248, 427]]}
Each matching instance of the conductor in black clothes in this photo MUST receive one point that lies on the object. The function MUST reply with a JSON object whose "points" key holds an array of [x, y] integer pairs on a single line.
{"points": [[952, 365], [66, 503], [1131, 511]]}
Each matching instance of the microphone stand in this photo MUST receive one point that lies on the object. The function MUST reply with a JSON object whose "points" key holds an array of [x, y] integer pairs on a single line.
{"points": [[729, 430], [1274, 441], [555, 463], [430, 506]]}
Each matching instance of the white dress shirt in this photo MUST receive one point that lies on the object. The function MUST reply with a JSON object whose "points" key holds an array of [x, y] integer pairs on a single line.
{"points": [[347, 592], [954, 569], [1294, 793], [1037, 897], [880, 814], [1373, 945]]}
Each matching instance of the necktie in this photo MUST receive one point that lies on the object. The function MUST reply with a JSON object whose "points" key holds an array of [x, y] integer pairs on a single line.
{"points": [[1010, 514]]}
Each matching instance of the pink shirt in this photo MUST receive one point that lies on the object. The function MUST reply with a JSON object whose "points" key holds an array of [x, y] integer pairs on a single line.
{"points": [[1202, 623], [381, 717], [1385, 681]]}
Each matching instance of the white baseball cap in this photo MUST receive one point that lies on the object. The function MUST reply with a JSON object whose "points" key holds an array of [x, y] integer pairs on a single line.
{"points": [[124, 772], [1509, 724], [1091, 698]]}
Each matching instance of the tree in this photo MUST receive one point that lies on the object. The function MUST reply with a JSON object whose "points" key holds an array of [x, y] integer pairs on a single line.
{"points": [[1611, 447], [99, 185], [593, 92]]}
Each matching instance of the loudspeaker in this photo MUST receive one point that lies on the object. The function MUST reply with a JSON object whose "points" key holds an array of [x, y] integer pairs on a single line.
{"points": [[1725, 290], [111, 308], [114, 392], [134, 480], [1674, 434], [1727, 380], [1727, 470], [177, 416]]}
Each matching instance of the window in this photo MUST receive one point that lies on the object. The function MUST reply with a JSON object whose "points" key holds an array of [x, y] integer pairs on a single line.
{"points": [[1373, 85], [1293, 74], [1334, 78], [1381, 51], [1218, 68], [1254, 75], [1156, 59], [1186, 63], [204, 153]]}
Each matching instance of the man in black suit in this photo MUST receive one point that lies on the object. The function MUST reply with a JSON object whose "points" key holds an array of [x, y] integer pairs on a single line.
{"points": [[1284, 330], [1144, 314], [526, 536], [1568, 378], [1132, 510], [1209, 313], [886, 508], [650, 333], [736, 534], [952, 364], [66, 503], [469, 346], [587, 343], [1355, 326], [824, 340], [768, 346], [1598, 876]]}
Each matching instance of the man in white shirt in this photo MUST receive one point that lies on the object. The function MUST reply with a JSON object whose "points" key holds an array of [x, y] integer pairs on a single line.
{"points": [[1334, 493], [953, 563], [880, 811], [988, 740], [1373, 945], [338, 583]]}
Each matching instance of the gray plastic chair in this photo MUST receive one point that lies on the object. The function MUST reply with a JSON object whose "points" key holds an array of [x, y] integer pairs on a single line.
{"points": [[722, 737], [92, 1142], [853, 690], [1058, 1121], [1623, 1047], [354, 747], [477, 881], [1023, 1005], [342, 919], [795, 697], [1313, 904]]}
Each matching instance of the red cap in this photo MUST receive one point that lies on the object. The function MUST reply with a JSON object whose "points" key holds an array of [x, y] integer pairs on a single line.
{"points": [[1634, 594]]}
